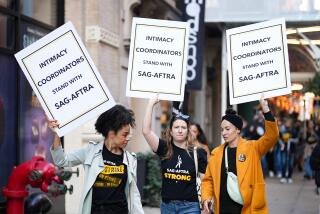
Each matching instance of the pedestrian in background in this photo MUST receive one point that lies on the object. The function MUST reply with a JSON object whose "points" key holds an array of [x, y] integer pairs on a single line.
{"points": [[311, 140], [178, 166], [300, 146], [277, 152], [234, 177], [200, 138], [110, 171], [315, 165], [289, 137]]}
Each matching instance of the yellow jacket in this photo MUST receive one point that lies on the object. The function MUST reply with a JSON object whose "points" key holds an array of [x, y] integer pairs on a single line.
{"points": [[249, 172]]}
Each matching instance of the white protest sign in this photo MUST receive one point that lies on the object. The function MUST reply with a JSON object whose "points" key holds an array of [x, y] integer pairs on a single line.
{"points": [[258, 61], [64, 78], [157, 61]]}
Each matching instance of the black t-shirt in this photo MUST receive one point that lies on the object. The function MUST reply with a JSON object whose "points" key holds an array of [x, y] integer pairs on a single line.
{"points": [[109, 187], [179, 173], [227, 205]]}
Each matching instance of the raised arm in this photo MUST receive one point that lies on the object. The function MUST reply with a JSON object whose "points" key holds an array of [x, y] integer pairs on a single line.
{"points": [[270, 137], [264, 105], [53, 124], [151, 137], [59, 157]]}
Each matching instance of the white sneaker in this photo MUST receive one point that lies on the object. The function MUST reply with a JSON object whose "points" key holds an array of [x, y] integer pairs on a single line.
{"points": [[271, 174], [283, 180], [290, 181], [279, 175]]}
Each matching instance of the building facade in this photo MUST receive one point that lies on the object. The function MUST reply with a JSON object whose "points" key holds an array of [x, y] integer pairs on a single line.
{"points": [[303, 49], [105, 28], [23, 127]]}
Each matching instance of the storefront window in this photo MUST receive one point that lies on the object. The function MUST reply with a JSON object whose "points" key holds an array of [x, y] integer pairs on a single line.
{"points": [[7, 36], [23, 124], [44, 11], [31, 33], [8, 120], [35, 135]]}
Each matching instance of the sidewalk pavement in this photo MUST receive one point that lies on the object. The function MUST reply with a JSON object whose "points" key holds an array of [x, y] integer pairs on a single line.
{"points": [[296, 198]]}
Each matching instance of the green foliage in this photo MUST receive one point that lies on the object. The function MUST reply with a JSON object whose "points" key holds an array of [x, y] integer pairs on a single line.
{"points": [[153, 182], [314, 85]]}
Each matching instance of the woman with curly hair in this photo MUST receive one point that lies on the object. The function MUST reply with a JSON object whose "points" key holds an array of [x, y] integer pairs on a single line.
{"points": [[110, 171]]}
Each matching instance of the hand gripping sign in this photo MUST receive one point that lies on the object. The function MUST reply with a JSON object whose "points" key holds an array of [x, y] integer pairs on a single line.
{"points": [[64, 78], [157, 61], [258, 61]]}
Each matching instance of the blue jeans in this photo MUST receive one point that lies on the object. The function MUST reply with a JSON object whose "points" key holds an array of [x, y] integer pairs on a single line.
{"points": [[180, 207], [278, 163], [264, 165], [287, 164], [308, 168]]}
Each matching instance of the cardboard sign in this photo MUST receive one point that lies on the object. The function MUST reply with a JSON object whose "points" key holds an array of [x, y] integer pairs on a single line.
{"points": [[157, 61], [258, 61], [64, 78]]}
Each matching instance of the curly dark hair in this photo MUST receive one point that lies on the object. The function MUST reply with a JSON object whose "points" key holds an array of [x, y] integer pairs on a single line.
{"points": [[114, 119]]}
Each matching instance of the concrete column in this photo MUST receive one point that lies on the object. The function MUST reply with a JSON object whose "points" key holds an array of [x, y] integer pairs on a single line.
{"points": [[224, 70], [138, 143]]}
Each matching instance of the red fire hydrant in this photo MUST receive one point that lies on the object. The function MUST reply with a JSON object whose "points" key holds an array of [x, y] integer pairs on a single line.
{"points": [[36, 172]]}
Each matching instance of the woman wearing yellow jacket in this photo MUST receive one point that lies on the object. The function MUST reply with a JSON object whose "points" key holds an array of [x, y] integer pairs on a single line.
{"points": [[236, 183]]}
